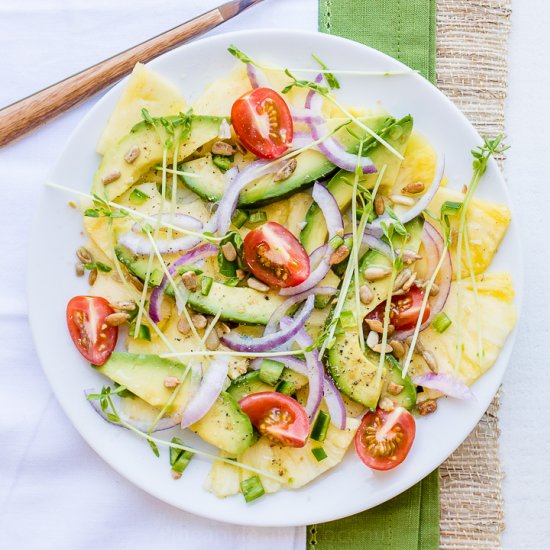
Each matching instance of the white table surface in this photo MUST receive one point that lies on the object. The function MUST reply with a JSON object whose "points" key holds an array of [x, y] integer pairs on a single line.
{"points": [[55, 492]]}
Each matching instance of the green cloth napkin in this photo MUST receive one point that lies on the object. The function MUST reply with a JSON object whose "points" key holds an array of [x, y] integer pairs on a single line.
{"points": [[406, 30]]}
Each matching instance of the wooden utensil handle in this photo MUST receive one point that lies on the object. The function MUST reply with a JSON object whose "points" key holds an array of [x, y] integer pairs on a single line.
{"points": [[20, 117]]}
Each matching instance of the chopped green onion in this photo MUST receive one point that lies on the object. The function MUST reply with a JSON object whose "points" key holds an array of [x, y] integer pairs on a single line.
{"points": [[252, 488], [185, 268], [319, 453], [206, 285], [223, 163], [257, 217], [240, 217], [138, 197], [321, 301], [179, 459], [142, 334], [320, 428], [233, 281], [285, 387], [336, 242], [347, 319], [441, 322], [271, 371]]}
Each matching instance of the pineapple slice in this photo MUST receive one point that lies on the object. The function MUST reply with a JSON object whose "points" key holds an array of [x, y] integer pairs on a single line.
{"points": [[497, 319], [487, 223], [293, 467], [145, 89]]}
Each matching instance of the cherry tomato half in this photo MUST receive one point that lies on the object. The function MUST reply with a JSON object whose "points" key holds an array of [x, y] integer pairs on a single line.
{"points": [[278, 417], [262, 120], [405, 309], [275, 256], [93, 338], [384, 439]]}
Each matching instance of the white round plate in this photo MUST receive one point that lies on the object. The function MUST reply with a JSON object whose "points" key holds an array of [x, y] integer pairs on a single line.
{"points": [[350, 487]]}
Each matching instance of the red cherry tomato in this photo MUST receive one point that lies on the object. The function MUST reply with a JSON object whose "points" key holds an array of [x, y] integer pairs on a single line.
{"points": [[405, 309], [384, 439], [275, 256], [277, 416], [262, 120], [93, 338]]}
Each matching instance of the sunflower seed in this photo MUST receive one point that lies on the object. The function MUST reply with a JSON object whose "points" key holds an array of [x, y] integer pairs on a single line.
{"points": [[434, 290], [339, 255], [413, 187], [398, 348], [365, 294], [117, 319], [124, 306], [386, 404], [379, 206], [111, 176], [84, 255], [199, 320], [190, 280], [378, 348], [240, 274], [395, 389], [376, 325], [409, 256], [212, 342], [175, 475], [376, 273], [79, 269], [257, 285], [132, 154], [431, 361], [402, 200], [92, 277], [402, 278], [222, 329], [229, 252], [286, 171], [409, 282], [183, 325], [171, 382], [372, 339], [223, 149], [339, 231], [426, 407]]}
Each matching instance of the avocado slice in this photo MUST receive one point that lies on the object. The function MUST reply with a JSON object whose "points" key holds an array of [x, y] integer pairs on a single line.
{"points": [[238, 304], [353, 371], [311, 165], [407, 396], [151, 148], [225, 425], [396, 133]]}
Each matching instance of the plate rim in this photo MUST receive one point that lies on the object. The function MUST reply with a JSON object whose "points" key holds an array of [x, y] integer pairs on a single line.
{"points": [[384, 496]]}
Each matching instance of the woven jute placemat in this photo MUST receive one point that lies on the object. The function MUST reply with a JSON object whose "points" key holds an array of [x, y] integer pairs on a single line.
{"points": [[472, 70]]}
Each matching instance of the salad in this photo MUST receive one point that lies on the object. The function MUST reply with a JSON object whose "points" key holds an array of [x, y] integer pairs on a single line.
{"points": [[282, 274]]}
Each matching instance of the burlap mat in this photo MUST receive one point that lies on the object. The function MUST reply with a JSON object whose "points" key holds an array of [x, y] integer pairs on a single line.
{"points": [[472, 70]]}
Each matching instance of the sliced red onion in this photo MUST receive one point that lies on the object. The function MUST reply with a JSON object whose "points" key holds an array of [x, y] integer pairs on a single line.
{"points": [[330, 147], [165, 423], [301, 140], [377, 244], [307, 115], [332, 396], [375, 227], [315, 370], [257, 77], [201, 252], [209, 390], [330, 209], [315, 277], [237, 342], [444, 383], [434, 246], [281, 311], [228, 203]]}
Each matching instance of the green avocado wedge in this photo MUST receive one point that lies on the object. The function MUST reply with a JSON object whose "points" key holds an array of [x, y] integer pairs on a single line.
{"points": [[224, 425], [150, 145]]}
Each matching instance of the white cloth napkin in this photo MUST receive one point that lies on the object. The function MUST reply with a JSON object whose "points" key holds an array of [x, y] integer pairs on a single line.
{"points": [[55, 492]]}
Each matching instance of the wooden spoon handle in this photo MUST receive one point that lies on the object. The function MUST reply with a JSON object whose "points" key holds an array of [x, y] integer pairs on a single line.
{"points": [[24, 115]]}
